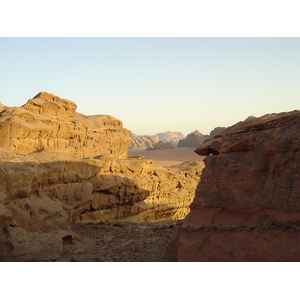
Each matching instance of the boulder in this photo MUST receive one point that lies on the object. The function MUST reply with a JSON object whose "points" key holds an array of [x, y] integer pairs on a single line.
{"points": [[247, 205]]}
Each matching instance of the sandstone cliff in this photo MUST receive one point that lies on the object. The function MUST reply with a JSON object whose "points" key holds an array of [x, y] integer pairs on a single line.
{"points": [[143, 141], [43, 195], [246, 206], [50, 124]]}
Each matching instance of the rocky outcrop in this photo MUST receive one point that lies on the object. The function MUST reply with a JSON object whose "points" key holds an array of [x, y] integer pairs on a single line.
{"points": [[246, 206], [170, 136], [143, 141], [133, 190], [50, 124], [43, 195], [162, 146], [193, 140]]}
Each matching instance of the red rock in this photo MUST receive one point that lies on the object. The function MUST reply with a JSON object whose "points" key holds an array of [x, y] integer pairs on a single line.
{"points": [[247, 204]]}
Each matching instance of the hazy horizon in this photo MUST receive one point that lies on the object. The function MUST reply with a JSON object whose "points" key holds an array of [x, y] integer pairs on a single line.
{"points": [[157, 84]]}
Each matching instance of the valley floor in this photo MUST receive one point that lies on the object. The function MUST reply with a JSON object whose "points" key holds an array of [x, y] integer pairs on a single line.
{"points": [[167, 157], [121, 242]]}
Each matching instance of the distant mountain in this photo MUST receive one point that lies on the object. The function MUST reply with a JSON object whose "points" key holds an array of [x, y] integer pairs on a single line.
{"points": [[196, 138], [193, 139], [160, 145], [143, 141], [170, 136]]}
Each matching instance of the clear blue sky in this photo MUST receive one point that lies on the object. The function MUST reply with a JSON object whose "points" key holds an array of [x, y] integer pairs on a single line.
{"points": [[157, 84]]}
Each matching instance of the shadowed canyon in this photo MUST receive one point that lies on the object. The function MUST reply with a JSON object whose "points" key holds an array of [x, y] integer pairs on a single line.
{"points": [[72, 190]]}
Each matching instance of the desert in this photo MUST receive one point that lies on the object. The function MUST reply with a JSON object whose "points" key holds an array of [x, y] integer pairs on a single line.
{"points": [[74, 190]]}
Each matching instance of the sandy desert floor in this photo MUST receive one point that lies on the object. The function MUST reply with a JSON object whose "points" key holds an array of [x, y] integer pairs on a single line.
{"points": [[121, 242], [168, 157]]}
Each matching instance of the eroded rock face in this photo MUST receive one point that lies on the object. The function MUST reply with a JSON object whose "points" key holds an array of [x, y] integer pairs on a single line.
{"points": [[50, 124], [43, 195], [247, 205], [133, 190]]}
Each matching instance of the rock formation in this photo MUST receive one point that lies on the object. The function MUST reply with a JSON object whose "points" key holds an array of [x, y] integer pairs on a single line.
{"points": [[50, 124], [133, 190], [143, 141], [170, 136], [247, 205], [43, 193], [161, 146], [193, 139]]}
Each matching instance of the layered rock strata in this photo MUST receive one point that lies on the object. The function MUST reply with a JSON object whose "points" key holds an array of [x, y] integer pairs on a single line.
{"points": [[43, 195], [247, 205], [50, 124], [133, 190]]}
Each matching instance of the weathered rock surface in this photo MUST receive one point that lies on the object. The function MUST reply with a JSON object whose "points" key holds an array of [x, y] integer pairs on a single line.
{"points": [[43, 195], [50, 124], [247, 205], [162, 146], [133, 190], [193, 139], [171, 137], [143, 141]]}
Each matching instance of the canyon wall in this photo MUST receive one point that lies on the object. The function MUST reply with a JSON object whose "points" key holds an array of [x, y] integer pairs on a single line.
{"points": [[59, 167], [51, 124], [247, 205], [43, 195]]}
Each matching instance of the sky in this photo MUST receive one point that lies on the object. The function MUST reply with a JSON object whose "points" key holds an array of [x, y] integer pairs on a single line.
{"points": [[157, 65], [156, 84]]}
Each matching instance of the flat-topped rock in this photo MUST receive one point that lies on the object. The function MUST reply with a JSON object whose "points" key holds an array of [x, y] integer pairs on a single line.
{"points": [[51, 124]]}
